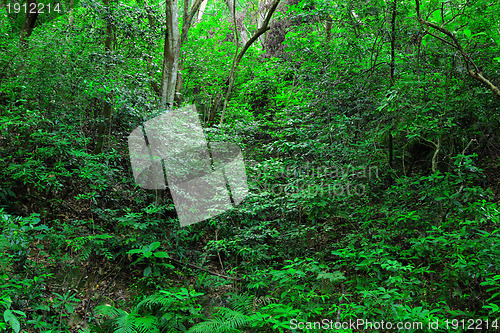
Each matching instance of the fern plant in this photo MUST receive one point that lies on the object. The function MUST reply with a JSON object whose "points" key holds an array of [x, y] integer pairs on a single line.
{"points": [[124, 322], [165, 311], [224, 321], [227, 320]]}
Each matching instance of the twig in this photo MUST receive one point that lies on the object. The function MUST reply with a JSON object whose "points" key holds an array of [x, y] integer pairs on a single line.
{"points": [[204, 269], [218, 254], [340, 305]]}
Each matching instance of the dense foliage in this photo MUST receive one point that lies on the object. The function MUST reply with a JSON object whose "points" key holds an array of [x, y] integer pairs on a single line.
{"points": [[369, 131]]}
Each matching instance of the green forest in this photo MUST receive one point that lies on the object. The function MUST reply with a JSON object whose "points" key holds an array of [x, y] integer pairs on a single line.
{"points": [[249, 166]]}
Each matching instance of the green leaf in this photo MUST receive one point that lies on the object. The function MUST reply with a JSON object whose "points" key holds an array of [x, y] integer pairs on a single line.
{"points": [[437, 15], [425, 40], [69, 307], [12, 320], [7, 314], [147, 271], [154, 246], [493, 307], [161, 254], [479, 34], [148, 254], [334, 277], [135, 251], [467, 32]]}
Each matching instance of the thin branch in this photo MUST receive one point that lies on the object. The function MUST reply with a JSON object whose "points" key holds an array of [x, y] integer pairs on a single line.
{"points": [[204, 269], [472, 68], [265, 27], [441, 39]]}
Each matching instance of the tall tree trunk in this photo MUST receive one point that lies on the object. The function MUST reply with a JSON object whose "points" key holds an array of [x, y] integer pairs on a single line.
{"points": [[71, 17], [392, 80], [328, 27], [171, 56], [393, 41], [186, 25], [171, 82], [150, 68], [107, 108], [237, 20], [29, 22], [201, 11], [261, 14], [236, 61]]}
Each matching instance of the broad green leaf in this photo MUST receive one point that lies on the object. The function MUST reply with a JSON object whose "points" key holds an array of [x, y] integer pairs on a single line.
{"points": [[467, 32], [161, 254], [154, 246], [134, 251], [7, 314], [12, 320], [147, 271], [437, 15]]}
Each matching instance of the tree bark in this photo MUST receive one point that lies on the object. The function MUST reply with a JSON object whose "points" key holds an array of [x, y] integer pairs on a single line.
{"points": [[107, 108], [171, 56], [393, 41], [328, 27], [71, 17], [392, 80], [29, 22], [261, 10], [186, 25], [189, 15], [201, 11], [236, 61], [171, 81], [237, 21]]}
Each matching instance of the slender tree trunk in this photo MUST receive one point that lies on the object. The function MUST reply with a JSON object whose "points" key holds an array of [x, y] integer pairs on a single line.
{"points": [[237, 20], [236, 61], [201, 11], [392, 80], [393, 41], [328, 27], [171, 56], [150, 68], [171, 81], [186, 25], [71, 17], [107, 108], [261, 14], [29, 22]]}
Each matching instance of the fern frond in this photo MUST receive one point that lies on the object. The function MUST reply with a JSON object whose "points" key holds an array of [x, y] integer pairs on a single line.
{"points": [[109, 311], [241, 303], [224, 321], [148, 324], [162, 299], [126, 323]]}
